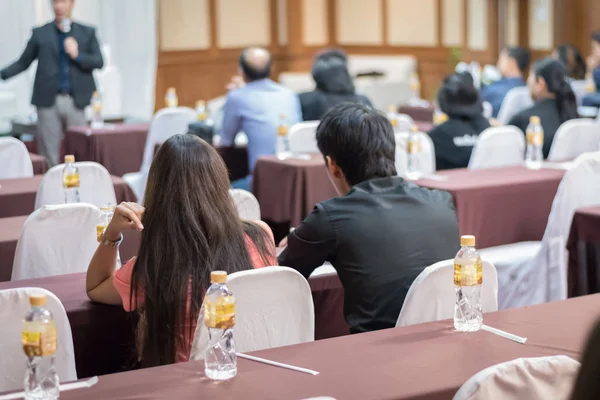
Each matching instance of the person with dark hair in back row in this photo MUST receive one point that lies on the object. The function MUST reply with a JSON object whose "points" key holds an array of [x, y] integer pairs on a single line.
{"points": [[382, 231], [334, 86], [593, 65], [571, 58], [554, 100], [512, 64], [454, 139]]}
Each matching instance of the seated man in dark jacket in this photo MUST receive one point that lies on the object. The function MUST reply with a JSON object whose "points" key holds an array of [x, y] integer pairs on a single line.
{"points": [[382, 231], [334, 86], [454, 139]]}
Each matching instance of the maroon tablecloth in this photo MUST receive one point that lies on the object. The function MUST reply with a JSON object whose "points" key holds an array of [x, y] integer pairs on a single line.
{"points": [[426, 362], [40, 166], [584, 252], [17, 196], [10, 231], [424, 114], [119, 147]]}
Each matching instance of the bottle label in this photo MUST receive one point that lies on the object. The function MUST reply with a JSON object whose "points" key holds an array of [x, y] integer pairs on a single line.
{"points": [[71, 181], [394, 122], [97, 107], [221, 314], [39, 340], [535, 138], [468, 274], [99, 231], [202, 116], [282, 130], [413, 146]]}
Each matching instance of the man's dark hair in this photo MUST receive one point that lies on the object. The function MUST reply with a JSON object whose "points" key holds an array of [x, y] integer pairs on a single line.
{"points": [[521, 55], [596, 36], [360, 140], [251, 72]]}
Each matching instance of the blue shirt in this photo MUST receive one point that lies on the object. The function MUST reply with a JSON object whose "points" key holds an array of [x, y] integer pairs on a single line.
{"points": [[495, 92], [64, 64], [256, 109]]}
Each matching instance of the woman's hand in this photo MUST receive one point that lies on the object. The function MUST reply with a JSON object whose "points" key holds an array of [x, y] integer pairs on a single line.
{"points": [[128, 216]]}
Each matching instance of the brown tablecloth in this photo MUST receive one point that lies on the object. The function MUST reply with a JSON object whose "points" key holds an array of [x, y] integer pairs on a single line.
{"points": [[584, 252], [425, 362], [118, 147], [424, 114], [10, 231], [17, 196], [40, 166]]}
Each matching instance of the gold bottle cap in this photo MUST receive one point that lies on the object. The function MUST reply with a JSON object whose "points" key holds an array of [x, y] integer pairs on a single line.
{"points": [[534, 119], [69, 158], [414, 129], [467, 240], [171, 90], [392, 108], [37, 300], [218, 277], [200, 103]]}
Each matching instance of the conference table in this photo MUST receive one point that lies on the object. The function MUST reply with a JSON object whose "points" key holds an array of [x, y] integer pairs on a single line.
{"points": [[584, 252], [497, 205], [426, 361]]}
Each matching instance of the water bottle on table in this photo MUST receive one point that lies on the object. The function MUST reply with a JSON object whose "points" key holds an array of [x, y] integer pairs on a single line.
{"points": [[283, 139], [71, 180], [171, 99], [413, 153], [219, 318], [534, 156], [96, 103], [468, 271], [201, 110], [392, 115]]}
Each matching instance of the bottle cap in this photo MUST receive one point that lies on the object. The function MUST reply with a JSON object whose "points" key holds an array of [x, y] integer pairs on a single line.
{"points": [[414, 129], [37, 300], [534, 119], [69, 158], [171, 90], [218, 277], [200, 103], [392, 108], [467, 240]]}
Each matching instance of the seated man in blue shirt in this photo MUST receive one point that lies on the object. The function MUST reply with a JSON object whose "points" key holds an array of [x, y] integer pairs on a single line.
{"points": [[255, 105], [512, 64], [593, 61]]}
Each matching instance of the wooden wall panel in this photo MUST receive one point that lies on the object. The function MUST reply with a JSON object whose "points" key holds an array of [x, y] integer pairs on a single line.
{"points": [[192, 18], [315, 25], [239, 25], [453, 22], [412, 26], [541, 25], [359, 22]]}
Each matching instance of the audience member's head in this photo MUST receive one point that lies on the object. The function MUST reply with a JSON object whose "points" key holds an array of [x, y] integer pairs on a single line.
{"points": [[596, 44], [547, 80], [191, 227], [459, 97], [330, 73], [255, 64], [587, 385], [62, 9], [332, 53], [513, 62], [358, 144], [573, 61]]}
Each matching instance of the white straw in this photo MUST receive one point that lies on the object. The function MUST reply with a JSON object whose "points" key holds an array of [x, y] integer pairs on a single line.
{"points": [[63, 388], [277, 364], [506, 335]]}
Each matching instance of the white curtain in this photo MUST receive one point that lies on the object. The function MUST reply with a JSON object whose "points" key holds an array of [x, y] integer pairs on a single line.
{"points": [[127, 27]]}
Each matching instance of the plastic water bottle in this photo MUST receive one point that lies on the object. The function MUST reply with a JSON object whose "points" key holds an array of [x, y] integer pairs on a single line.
{"points": [[39, 344], [535, 141], [392, 115], [201, 110], [106, 213], [468, 272], [219, 317], [171, 98], [96, 103], [283, 139], [414, 85], [413, 153], [71, 180]]}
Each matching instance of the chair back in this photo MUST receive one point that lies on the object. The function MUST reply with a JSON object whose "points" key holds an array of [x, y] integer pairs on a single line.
{"points": [[580, 88], [488, 109], [515, 101], [56, 240], [524, 378], [383, 92], [15, 161], [431, 296], [96, 186], [403, 123], [501, 146], [14, 304], [426, 157], [274, 308], [246, 204], [573, 138], [297, 81], [303, 137]]}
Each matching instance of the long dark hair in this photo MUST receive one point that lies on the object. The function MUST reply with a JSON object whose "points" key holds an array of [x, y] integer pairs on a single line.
{"points": [[458, 97], [553, 73], [191, 227], [573, 61], [587, 385], [330, 73]]}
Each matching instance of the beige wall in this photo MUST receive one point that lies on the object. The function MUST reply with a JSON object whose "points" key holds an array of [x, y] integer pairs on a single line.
{"points": [[541, 24], [453, 22], [512, 23], [478, 24], [239, 25], [315, 23], [359, 22], [412, 24], [184, 25]]}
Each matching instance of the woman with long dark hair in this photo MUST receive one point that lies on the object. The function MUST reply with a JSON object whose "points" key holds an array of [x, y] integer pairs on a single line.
{"points": [[573, 61], [554, 100], [189, 227]]}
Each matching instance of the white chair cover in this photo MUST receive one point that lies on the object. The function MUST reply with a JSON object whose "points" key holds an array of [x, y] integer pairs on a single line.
{"points": [[475, 71], [14, 304], [580, 88], [488, 110], [426, 157], [432, 295], [297, 81], [96, 186], [166, 123], [501, 146], [246, 204], [403, 123], [574, 138], [515, 101], [274, 308], [8, 109], [383, 92], [533, 272], [303, 137], [15, 161], [524, 378], [56, 240]]}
